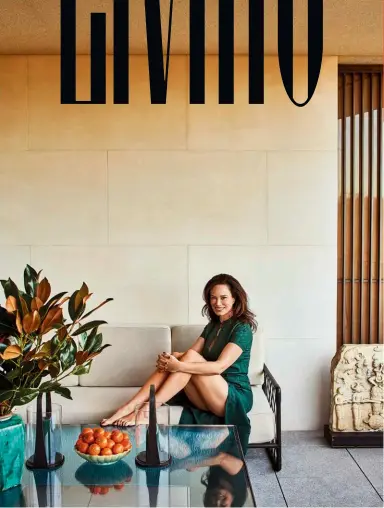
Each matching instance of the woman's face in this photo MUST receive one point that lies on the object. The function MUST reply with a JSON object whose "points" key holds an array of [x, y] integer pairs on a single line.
{"points": [[221, 300], [219, 497]]}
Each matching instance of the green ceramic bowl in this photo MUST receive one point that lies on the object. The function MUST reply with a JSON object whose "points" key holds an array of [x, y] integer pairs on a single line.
{"points": [[102, 460]]}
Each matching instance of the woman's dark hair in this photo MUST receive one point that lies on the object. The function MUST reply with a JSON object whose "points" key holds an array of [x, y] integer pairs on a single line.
{"points": [[241, 309], [216, 478]]}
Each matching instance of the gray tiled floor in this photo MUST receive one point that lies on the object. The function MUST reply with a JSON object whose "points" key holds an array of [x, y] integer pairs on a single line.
{"points": [[313, 474]]}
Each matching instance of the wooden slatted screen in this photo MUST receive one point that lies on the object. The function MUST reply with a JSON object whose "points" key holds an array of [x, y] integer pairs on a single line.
{"points": [[360, 206]]}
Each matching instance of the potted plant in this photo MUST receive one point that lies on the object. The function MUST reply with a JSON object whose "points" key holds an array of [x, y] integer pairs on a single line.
{"points": [[39, 347]]}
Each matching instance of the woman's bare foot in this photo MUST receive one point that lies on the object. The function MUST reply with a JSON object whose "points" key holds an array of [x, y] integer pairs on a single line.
{"points": [[122, 412]]}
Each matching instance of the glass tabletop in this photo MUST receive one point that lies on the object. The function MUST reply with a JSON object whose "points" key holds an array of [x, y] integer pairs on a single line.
{"points": [[207, 469]]}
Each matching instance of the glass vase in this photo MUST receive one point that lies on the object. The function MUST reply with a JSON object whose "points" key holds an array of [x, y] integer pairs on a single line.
{"points": [[44, 435]]}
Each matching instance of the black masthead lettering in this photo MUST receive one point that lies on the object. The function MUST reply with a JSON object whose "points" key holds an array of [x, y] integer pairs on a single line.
{"points": [[197, 52], [226, 52], [256, 51], [68, 55], [315, 45], [120, 52], [158, 83]]}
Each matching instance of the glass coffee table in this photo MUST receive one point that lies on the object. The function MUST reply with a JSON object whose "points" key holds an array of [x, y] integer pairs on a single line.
{"points": [[207, 469]]}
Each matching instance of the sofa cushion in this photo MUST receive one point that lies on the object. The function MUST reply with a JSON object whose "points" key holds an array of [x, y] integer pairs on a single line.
{"points": [[184, 336], [132, 357], [91, 404]]}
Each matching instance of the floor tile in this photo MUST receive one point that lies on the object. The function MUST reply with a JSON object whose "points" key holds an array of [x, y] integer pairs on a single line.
{"points": [[304, 438], [317, 461], [371, 462], [328, 492], [258, 462], [267, 491]]}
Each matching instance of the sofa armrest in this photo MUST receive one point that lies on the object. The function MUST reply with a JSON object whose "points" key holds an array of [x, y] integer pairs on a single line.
{"points": [[272, 391]]}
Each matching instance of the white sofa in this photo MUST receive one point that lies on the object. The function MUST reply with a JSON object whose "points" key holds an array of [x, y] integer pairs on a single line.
{"points": [[120, 370]]}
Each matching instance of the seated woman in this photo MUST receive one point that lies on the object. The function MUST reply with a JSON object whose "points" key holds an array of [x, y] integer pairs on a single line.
{"points": [[211, 378]]}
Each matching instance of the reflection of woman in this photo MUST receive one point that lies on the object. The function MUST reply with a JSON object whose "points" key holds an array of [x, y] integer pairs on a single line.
{"points": [[211, 378], [225, 481], [224, 489]]}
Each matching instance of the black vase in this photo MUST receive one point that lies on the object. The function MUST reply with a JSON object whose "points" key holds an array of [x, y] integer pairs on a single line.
{"points": [[44, 435]]}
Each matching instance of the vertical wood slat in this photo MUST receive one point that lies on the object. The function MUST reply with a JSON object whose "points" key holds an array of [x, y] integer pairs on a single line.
{"points": [[370, 160], [360, 221], [380, 197], [352, 204]]}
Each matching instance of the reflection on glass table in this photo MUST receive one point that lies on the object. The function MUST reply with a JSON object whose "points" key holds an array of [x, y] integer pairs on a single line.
{"points": [[207, 469]]}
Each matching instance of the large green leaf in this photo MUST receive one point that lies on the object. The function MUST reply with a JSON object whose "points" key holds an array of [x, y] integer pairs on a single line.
{"points": [[5, 395], [63, 391], [98, 307], [83, 339], [5, 383], [30, 281], [68, 355], [5, 329], [10, 289], [43, 311], [88, 326], [96, 343], [82, 369], [25, 395]]}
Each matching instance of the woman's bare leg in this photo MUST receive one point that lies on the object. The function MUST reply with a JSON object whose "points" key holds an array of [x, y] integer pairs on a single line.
{"points": [[127, 410]]}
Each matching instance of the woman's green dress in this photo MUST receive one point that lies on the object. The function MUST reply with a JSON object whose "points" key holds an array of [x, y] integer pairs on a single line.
{"points": [[240, 398]]}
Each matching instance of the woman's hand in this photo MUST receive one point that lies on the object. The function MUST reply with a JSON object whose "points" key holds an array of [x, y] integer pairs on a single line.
{"points": [[167, 363]]}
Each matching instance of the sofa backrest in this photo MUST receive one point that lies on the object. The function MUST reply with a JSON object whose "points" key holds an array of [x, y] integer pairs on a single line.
{"points": [[132, 357]]}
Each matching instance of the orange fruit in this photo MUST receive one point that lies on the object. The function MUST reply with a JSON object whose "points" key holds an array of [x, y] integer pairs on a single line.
{"points": [[106, 451], [88, 438], [117, 436], [82, 447], [98, 432], [126, 445], [111, 443], [118, 448], [102, 441], [107, 434], [119, 486], [104, 490], [96, 490], [125, 436], [94, 449], [87, 430]]}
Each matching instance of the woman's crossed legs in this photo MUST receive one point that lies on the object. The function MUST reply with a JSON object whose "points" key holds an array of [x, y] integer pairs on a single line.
{"points": [[206, 392]]}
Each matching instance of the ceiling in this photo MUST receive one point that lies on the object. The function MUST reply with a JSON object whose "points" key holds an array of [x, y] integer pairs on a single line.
{"points": [[352, 28]]}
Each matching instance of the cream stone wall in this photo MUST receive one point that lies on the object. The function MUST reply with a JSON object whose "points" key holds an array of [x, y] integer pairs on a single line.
{"points": [[146, 202]]}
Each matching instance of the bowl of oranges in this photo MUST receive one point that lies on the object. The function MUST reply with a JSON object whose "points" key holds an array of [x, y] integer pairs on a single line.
{"points": [[102, 447]]}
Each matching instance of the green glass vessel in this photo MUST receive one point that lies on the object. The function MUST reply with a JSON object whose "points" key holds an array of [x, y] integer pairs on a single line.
{"points": [[12, 440]]}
